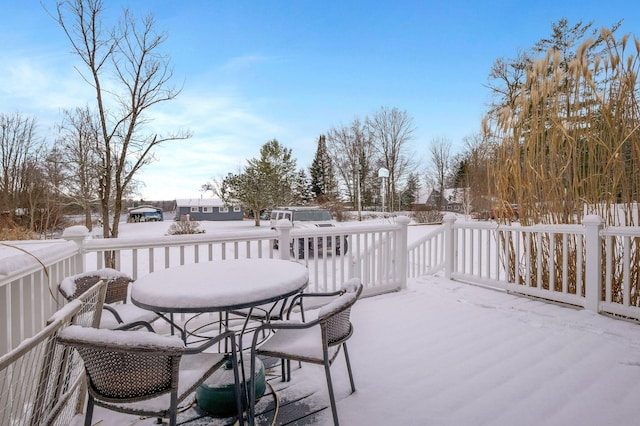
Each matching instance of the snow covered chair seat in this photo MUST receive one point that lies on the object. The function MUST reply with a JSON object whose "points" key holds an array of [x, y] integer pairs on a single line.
{"points": [[116, 311], [146, 374]]}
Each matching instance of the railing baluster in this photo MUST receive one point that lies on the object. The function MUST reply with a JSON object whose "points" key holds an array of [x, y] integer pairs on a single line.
{"points": [[565, 263], [608, 275], [151, 260], [626, 273], [551, 261], [134, 264]]}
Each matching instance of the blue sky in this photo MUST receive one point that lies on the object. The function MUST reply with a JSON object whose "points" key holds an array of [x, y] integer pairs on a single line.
{"points": [[257, 70]]}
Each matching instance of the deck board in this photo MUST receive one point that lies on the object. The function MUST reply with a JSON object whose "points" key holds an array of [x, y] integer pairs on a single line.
{"points": [[292, 405]]}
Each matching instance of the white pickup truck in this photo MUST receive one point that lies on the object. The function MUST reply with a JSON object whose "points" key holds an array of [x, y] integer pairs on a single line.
{"points": [[309, 217]]}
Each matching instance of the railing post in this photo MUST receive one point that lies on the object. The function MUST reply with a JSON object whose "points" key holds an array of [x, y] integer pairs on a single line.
{"points": [[593, 262], [283, 226], [449, 248], [403, 251], [78, 234]]}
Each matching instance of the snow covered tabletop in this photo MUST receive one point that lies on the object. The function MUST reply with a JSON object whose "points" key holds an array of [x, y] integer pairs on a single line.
{"points": [[219, 285]]}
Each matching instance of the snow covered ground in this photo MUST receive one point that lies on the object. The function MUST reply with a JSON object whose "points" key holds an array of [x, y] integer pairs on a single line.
{"points": [[447, 353]]}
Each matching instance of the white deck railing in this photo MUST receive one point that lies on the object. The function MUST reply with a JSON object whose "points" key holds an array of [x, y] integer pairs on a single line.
{"points": [[28, 280], [581, 265]]}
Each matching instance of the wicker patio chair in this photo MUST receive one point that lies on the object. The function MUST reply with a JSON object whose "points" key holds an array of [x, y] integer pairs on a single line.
{"points": [[143, 373], [316, 301], [302, 341], [116, 311]]}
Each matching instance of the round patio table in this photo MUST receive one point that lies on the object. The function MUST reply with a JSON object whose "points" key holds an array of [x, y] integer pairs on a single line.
{"points": [[219, 285]]}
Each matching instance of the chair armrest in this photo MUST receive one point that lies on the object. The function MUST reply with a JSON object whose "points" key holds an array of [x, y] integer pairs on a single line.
{"points": [[136, 324], [298, 299], [288, 324], [113, 312]]}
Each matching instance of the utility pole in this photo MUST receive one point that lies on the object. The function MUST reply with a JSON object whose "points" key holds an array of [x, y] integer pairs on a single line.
{"points": [[383, 174]]}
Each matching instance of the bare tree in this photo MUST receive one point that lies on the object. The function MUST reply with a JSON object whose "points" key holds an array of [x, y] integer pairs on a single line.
{"points": [[18, 146], [129, 75], [440, 149], [392, 129], [506, 79], [79, 148], [477, 156], [351, 150], [40, 195]]}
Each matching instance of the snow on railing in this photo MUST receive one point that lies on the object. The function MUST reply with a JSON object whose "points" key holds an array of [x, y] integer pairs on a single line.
{"points": [[141, 256], [539, 261]]}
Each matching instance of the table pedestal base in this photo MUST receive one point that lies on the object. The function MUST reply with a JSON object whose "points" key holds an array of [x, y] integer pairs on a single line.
{"points": [[217, 394]]}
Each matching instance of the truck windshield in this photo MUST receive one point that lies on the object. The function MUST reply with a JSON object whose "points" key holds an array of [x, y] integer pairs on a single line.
{"points": [[312, 215]]}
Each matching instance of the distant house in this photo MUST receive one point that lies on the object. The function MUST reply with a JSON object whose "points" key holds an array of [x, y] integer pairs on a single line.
{"points": [[207, 209], [145, 214], [453, 199]]}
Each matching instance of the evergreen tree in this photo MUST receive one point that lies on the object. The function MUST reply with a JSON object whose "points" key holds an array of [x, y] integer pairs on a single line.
{"points": [[303, 193], [410, 194], [323, 180]]}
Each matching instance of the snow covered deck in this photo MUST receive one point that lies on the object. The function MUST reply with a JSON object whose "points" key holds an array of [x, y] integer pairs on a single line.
{"points": [[448, 353]]}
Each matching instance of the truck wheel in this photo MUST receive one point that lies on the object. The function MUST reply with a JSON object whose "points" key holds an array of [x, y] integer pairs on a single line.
{"points": [[297, 249], [342, 245]]}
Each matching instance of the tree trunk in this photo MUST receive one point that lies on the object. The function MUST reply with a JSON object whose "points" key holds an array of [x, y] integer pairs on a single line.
{"points": [[87, 218]]}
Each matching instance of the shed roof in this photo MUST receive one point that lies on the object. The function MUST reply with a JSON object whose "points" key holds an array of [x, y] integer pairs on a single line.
{"points": [[200, 202], [144, 209]]}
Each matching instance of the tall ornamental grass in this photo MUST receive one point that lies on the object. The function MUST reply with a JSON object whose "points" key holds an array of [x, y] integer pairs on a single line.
{"points": [[570, 146]]}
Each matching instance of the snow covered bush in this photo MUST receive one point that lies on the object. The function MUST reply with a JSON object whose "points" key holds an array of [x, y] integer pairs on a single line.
{"points": [[185, 226]]}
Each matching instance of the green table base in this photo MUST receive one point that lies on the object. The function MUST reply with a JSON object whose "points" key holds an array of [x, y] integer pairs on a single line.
{"points": [[217, 395]]}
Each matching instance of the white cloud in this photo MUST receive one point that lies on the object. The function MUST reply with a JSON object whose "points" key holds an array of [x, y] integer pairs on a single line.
{"points": [[227, 128], [40, 85], [226, 132]]}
